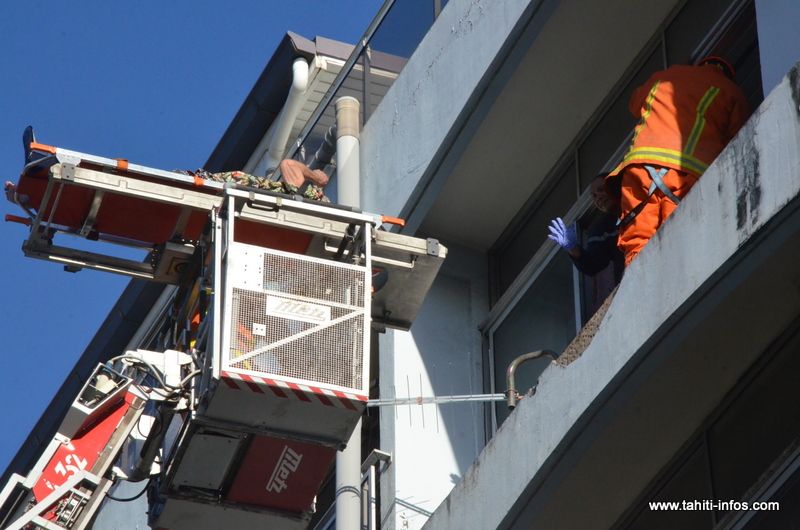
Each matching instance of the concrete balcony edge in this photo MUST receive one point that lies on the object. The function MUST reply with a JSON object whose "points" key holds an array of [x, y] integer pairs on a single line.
{"points": [[700, 269]]}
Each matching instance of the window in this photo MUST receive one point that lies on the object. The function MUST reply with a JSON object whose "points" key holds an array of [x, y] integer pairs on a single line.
{"points": [[532, 233], [741, 440], [524, 260], [543, 319]]}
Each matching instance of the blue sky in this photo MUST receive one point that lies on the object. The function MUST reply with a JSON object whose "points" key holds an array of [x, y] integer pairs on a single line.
{"points": [[156, 83]]}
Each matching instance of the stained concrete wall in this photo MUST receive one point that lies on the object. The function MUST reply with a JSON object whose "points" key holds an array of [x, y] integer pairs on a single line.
{"points": [[715, 284], [432, 446]]}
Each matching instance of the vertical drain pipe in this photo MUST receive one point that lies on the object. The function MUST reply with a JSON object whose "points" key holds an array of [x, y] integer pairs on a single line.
{"points": [[347, 141], [348, 462]]}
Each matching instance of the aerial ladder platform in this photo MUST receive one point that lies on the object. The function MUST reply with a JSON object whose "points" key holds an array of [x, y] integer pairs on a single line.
{"points": [[260, 372]]}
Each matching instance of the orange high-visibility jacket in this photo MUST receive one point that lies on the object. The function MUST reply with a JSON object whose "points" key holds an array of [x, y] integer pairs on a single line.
{"points": [[688, 114]]}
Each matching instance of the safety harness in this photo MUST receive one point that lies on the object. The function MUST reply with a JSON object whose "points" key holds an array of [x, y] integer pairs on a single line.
{"points": [[657, 177]]}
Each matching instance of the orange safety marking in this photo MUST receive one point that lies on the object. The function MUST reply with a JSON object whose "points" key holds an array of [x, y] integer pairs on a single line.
{"points": [[199, 181], [16, 219], [42, 147], [393, 220], [122, 164]]}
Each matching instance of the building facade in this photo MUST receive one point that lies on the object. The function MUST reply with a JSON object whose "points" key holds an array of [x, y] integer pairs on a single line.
{"points": [[482, 120]]}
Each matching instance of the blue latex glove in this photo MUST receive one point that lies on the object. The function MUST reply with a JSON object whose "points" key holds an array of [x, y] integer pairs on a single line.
{"points": [[565, 236]]}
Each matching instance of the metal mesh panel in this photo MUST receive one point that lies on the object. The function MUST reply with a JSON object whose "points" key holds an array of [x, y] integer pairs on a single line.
{"points": [[319, 280], [308, 323]]}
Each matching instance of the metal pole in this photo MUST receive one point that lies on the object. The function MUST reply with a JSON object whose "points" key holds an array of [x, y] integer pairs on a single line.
{"points": [[348, 483], [427, 400], [372, 515], [347, 141], [348, 461]]}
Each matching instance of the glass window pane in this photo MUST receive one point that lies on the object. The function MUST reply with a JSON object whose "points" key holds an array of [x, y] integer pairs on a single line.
{"points": [[757, 427], [544, 319], [615, 126], [403, 28], [739, 46], [381, 71], [376, 68], [687, 30], [353, 86], [532, 232], [788, 514], [690, 483]]}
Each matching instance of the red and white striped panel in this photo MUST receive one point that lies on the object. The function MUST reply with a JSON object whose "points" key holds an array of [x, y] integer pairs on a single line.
{"points": [[283, 389]]}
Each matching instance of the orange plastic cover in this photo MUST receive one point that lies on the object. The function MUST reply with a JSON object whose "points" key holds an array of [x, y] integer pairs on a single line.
{"points": [[119, 215]]}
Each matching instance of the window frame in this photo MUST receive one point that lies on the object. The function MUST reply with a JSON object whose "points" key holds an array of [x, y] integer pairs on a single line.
{"points": [[503, 304]]}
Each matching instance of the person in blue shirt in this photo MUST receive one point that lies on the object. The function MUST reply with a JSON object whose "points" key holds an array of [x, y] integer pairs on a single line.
{"points": [[601, 246]]}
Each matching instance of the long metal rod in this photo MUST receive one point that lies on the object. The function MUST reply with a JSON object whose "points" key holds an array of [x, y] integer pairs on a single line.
{"points": [[435, 399], [14, 481], [295, 337], [40, 507]]}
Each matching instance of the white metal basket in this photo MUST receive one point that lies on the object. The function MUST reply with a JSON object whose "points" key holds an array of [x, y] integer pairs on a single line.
{"points": [[294, 317]]}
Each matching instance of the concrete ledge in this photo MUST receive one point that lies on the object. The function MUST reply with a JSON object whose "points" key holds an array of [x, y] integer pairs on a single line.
{"points": [[714, 288]]}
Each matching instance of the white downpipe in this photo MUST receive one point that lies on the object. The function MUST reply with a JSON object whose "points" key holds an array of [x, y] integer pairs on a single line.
{"points": [[277, 137], [347, 143], [348, 483], [348, 462]]}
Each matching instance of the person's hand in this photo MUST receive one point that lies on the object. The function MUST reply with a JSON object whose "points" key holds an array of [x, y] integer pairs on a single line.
{"points": [[565, 236]]}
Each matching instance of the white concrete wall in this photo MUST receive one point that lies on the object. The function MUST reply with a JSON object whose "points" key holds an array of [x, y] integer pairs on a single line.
{"points": [[433, 445], [401, 140], [754, 180]]}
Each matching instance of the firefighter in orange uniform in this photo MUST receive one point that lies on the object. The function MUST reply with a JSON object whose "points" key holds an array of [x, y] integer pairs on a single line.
{"points": [[688, 114]]}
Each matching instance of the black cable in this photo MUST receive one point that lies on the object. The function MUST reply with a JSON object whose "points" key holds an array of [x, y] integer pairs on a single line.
{"points": [[157, 419], [154, 373], [151, 370], [130, 498]]}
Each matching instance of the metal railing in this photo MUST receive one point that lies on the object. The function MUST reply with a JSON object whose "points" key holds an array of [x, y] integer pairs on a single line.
{"points": [[375, 62]]}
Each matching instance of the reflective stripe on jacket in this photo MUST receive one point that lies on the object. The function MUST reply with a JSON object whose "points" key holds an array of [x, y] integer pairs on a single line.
{"points": [[687, 115]]}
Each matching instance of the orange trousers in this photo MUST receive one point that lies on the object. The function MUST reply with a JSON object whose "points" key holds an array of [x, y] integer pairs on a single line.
{"points": [[635, 186]]}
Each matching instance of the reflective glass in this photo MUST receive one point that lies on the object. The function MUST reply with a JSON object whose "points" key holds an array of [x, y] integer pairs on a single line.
{"points": [[544, 319], [377, 66]]}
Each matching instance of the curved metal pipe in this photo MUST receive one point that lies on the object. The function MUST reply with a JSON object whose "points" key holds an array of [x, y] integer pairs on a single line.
{"points": [[511, 394]]}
